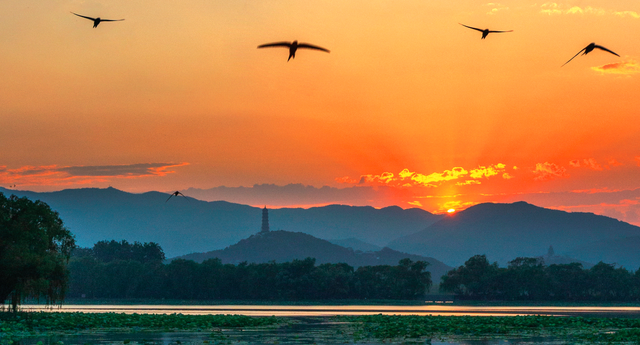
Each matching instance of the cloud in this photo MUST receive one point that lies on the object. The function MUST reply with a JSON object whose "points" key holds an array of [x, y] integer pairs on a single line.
{"points": [[622, 68], [548, 171], [468, 182], [506, 176], [408, 178], [405, 173], [447, 175], [491, 170], [495, 7], [70, 175], [587, 163], [383, 178], [553, 8], [415, 203]]}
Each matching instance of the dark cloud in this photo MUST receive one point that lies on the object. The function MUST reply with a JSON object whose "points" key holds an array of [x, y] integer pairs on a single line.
{"points": [[130, 170]]}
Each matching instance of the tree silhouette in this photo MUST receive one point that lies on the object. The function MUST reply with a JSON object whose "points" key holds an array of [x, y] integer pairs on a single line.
{"points": [[34, 250]]}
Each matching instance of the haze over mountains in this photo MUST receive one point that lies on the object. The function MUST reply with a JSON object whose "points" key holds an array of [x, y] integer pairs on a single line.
{"points": [[501, 231], [183, 226], [506, 231]]}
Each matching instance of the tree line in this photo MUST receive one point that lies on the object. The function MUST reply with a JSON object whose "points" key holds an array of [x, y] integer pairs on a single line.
{"points": [[123, 270], [531, 279]]}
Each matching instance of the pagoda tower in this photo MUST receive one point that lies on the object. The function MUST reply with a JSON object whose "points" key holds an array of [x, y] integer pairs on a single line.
{"points": [[265, 220]]}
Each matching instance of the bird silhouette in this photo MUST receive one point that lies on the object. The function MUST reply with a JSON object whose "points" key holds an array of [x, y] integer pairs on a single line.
{"points": [[96, 21], [485, 32], [588, 50], [293, 46], [176, 193]]}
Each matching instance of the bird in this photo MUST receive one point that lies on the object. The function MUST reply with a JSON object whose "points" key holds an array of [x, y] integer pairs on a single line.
{"points": [[96, 21], [176, 193], [293, 46], [485, 32], [588, 50]]}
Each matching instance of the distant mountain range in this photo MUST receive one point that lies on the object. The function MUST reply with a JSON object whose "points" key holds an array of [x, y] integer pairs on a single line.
{"points": [[285, 246], [356, 244], [186, 225], [506, 231], [501, 231]]}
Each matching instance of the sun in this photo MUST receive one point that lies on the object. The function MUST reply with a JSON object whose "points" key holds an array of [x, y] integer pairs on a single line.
{"points": [[451, 210]]}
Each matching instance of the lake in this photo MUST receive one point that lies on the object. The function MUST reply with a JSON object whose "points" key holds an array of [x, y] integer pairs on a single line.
{"points": [[315, 327]]}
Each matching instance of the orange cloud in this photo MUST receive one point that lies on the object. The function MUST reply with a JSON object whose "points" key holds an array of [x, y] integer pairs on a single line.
{"points": [[624, 68], [547, 171], [428, 180], [491, 170], [587, 163], [468, 182], [614, 163], [383, 178], [79, 175], [447, 175]]}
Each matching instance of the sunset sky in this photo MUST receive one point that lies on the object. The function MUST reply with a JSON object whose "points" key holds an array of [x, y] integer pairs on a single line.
{"points": [[409, 108]]}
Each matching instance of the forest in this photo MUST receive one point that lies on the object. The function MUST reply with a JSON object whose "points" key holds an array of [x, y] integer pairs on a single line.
{"points": [[112, 270], [531, 279]]}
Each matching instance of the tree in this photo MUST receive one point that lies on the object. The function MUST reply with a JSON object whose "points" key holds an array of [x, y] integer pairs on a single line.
{"points": [[476, 279], [34, 250]]}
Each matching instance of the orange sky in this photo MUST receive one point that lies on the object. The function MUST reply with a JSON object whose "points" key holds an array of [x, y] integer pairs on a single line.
{"points": [[178, 96]]}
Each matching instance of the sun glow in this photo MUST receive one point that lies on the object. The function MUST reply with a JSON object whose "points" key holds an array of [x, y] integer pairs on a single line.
{"points": [[451, 210]]}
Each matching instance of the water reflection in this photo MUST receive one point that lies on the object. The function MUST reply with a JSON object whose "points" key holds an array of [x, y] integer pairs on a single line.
{"points": [[321, 310]]}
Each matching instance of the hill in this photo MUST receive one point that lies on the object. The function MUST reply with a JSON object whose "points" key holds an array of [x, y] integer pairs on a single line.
{"points": [[356, 244], [621, 251], [186, 225], [284, 246], [506, 231]]}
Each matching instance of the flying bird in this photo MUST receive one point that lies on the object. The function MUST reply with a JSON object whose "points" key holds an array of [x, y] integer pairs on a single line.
{"points": [[176, 193], [588, 50], [293, 46], [96, 21], [485, 32]]}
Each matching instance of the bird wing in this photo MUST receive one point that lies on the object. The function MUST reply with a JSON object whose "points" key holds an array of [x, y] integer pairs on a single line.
{"points": [[79, 15], [583, 49], [605, 49], [276, 44], [470, 27], [491, 31], [169, 197], [311, 46], [111, 20]]}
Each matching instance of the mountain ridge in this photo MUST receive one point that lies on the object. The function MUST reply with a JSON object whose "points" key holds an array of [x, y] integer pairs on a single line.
{"points": [[506, 231]]}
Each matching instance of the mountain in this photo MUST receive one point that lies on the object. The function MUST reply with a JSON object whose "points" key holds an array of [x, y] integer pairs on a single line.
{"points": [[621, 251], [284, 246], [185, 225], [506, 231], [356, 244]]}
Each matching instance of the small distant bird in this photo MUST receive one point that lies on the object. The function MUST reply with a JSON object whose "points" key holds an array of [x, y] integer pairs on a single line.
{"points": [[176, 193], [293, 46], [485, 32], [96, 21], [588, 50]]}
